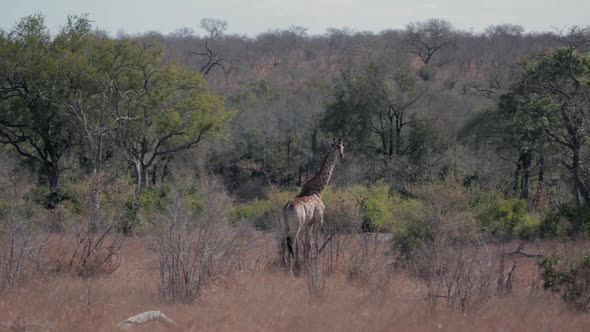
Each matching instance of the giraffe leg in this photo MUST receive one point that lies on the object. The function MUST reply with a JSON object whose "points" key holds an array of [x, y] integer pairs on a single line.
{"points": [[282, 252], [307, 243], [314, 267], [295, 261]]}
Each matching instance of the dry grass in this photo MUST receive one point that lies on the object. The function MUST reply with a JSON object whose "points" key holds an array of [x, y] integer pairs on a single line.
{"points": [[263, 298]]}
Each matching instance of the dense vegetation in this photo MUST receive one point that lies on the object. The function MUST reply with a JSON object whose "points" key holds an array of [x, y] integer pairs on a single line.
{"points": [[452, 137]]}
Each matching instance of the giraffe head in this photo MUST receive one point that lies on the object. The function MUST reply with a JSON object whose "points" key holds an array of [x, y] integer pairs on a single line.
{"points": [[338, 145]]}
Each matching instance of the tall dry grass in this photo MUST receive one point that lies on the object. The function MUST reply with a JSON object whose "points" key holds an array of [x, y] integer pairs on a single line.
{"points": [[194, 245], [263, 299]]}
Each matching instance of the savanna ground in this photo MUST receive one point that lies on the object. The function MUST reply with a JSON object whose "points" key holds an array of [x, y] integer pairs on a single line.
{"points": [[259, 296]]}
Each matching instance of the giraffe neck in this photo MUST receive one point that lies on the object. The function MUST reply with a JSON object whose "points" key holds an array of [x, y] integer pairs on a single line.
{"points": [[320, 180]]}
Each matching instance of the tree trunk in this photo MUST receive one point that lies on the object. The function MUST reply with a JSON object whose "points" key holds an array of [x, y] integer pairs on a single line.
{"points": [[581, 191], [289, 141], [516, 177], [398, 133], [540, 200], [526, 176], [141, 175], [53, 177], [98, 155]]}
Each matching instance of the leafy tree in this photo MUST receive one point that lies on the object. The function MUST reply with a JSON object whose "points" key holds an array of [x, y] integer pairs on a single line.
{"points": [[29, 122], [553, 93], [424, 143], [104, 78], [514, 137], [174, 111], [372, 111]]}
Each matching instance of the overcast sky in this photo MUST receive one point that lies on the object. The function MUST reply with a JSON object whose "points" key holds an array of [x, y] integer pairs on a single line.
{"points": [[254, 16]]}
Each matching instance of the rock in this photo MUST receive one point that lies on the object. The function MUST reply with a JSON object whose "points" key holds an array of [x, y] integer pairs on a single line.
{"points": [[146, 317]]}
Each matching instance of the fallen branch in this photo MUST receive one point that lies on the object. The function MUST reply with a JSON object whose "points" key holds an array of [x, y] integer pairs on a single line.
{"points": [[519, 251]]}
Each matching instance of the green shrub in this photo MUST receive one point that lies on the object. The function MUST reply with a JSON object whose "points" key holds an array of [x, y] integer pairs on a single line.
{"points": [[571, 281], [59, 206], [264, 214], [566, 221], [255, 212], [52, 199], [384, 211], [343, 212], [377, 209], [438, 215], [150, 200], [139, 208], [426, 72], [505, 219]]}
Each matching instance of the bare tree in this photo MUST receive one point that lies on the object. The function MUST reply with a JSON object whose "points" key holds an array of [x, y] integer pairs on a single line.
{"points": [[425, 38], [215, 28]]}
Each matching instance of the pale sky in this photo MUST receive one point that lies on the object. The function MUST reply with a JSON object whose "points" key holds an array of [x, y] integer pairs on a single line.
{"points": [[254, 16]]}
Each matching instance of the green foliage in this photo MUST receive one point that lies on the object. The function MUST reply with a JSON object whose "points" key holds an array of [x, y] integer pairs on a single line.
{"points": [[548, 103], [31, 64], [440, 214], [566, 221], [256, 212], [52, 199], [344, 209], [506, 218], [356, 97], [570, 280], [423, 143], [18, 212], [149, 200], [265, 213], [386, 212], [104, 93], [377, 210], [426, 72], [255, 93]]}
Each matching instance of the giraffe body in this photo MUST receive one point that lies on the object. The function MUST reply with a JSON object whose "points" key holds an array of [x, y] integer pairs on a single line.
{"points": [[303, 215]]}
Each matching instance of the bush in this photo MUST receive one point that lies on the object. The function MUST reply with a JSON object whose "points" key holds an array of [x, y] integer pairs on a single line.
{"points": [[256, 212], [566, 221], [570, 280], [439, 211], [505, 219], [97, 244], [60, 206], [195, 247], [385, 212], [19, 232], [53, 199], [440, 245], [343, 213], [264, 214], [140, 208]]}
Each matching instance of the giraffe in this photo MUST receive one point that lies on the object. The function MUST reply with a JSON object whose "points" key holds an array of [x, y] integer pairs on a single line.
{"points": [[303, 215]]}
